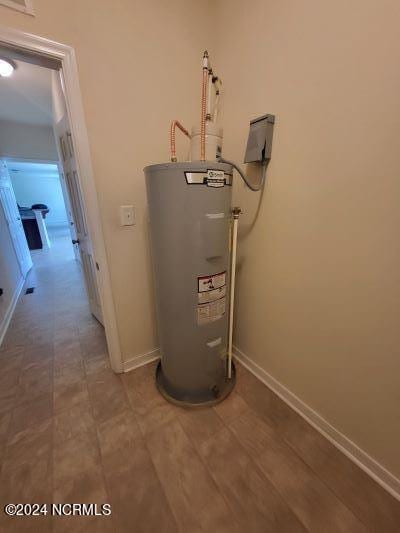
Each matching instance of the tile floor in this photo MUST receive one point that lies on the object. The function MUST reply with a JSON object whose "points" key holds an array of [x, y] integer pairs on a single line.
{"points": [[72, 431]]}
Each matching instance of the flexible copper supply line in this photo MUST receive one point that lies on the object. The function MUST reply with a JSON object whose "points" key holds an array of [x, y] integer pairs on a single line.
{"points": [[175, 124], [204, 108]]}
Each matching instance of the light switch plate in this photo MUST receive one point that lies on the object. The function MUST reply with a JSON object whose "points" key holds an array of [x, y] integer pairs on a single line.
{"points": [[127, 215]]}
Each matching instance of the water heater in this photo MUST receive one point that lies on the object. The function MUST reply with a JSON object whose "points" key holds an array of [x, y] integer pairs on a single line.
{"points": [[193, 231], [190, 215]]}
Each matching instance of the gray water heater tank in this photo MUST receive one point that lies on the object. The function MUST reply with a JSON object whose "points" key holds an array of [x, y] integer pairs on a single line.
{"points": [[190, 213]]}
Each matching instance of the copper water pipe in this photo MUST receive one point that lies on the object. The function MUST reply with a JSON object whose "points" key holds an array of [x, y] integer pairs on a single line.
{"points": [[204, 107], [176, 124]]}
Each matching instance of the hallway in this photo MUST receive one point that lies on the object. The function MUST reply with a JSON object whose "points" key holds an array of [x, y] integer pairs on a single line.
{"points": [[53, 344], [73, 431]]}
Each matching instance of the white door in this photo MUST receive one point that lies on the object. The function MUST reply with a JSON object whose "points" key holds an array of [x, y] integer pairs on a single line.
{"points": [[68, 209], [13, 218], [79, 228]]}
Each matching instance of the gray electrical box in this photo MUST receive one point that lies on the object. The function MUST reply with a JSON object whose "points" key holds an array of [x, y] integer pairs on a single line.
{"points": [[259, 143]]}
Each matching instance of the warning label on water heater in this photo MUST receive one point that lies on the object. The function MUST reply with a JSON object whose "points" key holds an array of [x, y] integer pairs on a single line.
{"points": [[209, 283], [211, 297]]}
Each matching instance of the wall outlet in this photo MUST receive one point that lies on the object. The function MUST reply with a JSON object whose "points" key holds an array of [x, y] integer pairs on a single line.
{"points": [[127, 215]]}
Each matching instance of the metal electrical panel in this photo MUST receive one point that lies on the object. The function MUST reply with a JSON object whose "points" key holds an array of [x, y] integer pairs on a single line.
{"points": [[259, 143]]}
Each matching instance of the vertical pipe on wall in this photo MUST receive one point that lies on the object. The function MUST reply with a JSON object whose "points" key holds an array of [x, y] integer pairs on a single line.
{"points": [[235, 212]]}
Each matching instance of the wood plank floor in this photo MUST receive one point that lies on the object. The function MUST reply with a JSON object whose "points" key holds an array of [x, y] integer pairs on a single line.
{"points": [[72, 431]]}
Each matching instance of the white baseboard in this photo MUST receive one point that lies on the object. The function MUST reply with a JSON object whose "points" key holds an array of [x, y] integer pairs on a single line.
{"points": [[11, 308], [140, 360], [378, 472], [369, 465]]}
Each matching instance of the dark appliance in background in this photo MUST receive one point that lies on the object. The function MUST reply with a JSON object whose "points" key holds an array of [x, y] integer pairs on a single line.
{"points": [[30, 224]]}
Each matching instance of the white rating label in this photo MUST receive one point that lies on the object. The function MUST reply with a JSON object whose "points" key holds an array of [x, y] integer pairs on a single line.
{"points": [[210, 312]]}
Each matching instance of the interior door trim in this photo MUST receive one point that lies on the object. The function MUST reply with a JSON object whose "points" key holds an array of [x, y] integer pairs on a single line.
{"points": [[65, 55]]}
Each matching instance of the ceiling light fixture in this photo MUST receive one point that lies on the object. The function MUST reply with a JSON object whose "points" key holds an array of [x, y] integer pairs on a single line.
{"points": [[7, 67]]}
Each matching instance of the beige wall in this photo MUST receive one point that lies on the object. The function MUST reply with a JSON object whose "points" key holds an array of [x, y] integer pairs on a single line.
{"points": [[27, 141], [319, 273], [140, 66]]}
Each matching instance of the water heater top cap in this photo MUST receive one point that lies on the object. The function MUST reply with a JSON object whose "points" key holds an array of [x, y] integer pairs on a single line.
{"points": [[192, 166]]}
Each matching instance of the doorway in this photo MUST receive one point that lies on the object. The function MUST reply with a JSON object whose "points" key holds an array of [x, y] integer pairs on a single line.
{"points": [[38, 191], [74, 167]]}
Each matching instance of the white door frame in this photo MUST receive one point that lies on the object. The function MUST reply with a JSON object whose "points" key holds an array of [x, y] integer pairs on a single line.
{"points": [[66, 55]]}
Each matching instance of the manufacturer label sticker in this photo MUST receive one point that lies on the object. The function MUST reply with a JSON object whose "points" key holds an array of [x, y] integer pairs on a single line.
{"points": [[215, 178]]}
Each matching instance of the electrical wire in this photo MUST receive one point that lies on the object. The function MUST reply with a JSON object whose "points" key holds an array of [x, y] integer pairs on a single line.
{"points": [[244, 178]]}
